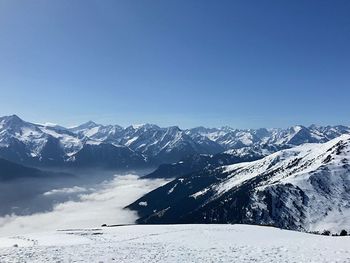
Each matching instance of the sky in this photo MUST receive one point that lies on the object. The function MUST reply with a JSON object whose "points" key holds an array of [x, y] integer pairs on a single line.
{"points": [[244, 64]]}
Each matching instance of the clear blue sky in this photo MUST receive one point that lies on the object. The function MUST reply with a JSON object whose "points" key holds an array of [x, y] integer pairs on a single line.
{"points": [[239, 63]]}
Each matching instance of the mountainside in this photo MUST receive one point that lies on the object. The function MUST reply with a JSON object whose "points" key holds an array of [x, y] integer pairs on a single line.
{"points": [[304, 188], [144, 145], [12, 171], [109, 156], [97, 132], [198, 162]]}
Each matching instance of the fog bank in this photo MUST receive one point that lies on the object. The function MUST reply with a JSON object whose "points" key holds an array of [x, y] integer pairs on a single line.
{"points": [[93, 206]]}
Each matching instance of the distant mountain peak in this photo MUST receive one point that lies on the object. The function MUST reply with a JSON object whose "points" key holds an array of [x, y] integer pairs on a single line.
{"points": [[159, 144], [90, 124], [144, 126], [15, 124], [85, 125], [227, 128], [173, 128], [11, 119]]}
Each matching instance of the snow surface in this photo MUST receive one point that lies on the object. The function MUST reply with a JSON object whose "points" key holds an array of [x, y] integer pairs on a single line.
{"points": [[175, 243]]}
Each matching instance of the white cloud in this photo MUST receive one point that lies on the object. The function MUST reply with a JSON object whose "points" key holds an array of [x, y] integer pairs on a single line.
{"points": [[103, 206], [63, 191]]}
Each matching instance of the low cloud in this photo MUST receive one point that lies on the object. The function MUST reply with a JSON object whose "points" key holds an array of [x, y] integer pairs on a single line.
{"points": [[104, 205], [64, 191]]}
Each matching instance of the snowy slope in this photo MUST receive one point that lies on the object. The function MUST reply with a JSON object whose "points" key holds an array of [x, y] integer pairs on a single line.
{"points": [[304, 188], [175, 243], [309, 185], [20, 139], [69, 141], [97, 131], [34, 144]]}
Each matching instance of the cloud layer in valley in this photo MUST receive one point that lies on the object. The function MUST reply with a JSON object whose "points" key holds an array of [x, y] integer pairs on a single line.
{"points": [[102, 204]]}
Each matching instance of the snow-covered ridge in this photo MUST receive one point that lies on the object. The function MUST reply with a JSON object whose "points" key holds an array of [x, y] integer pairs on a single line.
{"points": [[304, 188], [320, 175], [35, 143], [32, 143], [291, 164]]}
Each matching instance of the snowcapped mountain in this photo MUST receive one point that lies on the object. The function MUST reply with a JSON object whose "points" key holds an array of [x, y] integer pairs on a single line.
{"points": [[97, 131], [296, 178], [131, 147], [271, 139], [160, 145], [21, 141], [137, 146], [47, 145], [304, 188]]}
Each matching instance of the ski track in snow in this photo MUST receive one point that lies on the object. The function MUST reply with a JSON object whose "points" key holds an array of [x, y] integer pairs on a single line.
{"points": [[175, 243]]}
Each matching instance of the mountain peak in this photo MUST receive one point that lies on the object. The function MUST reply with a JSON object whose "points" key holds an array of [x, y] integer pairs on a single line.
{"points": [[173, 129], [85, 125], [227, 129], [12, 118], [90, 124], [297, 128], [144, 126], [12, 121]]}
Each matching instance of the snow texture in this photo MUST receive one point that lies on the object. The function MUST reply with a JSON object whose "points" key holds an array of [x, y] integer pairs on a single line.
{"points": [[175, 243]]}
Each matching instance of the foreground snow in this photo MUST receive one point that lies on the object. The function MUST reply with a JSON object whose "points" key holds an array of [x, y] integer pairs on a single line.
{"points": [[175, 243]]}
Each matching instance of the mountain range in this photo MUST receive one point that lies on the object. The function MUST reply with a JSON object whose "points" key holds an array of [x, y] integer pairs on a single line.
{"points": [[296, 178], [141, 146]]}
